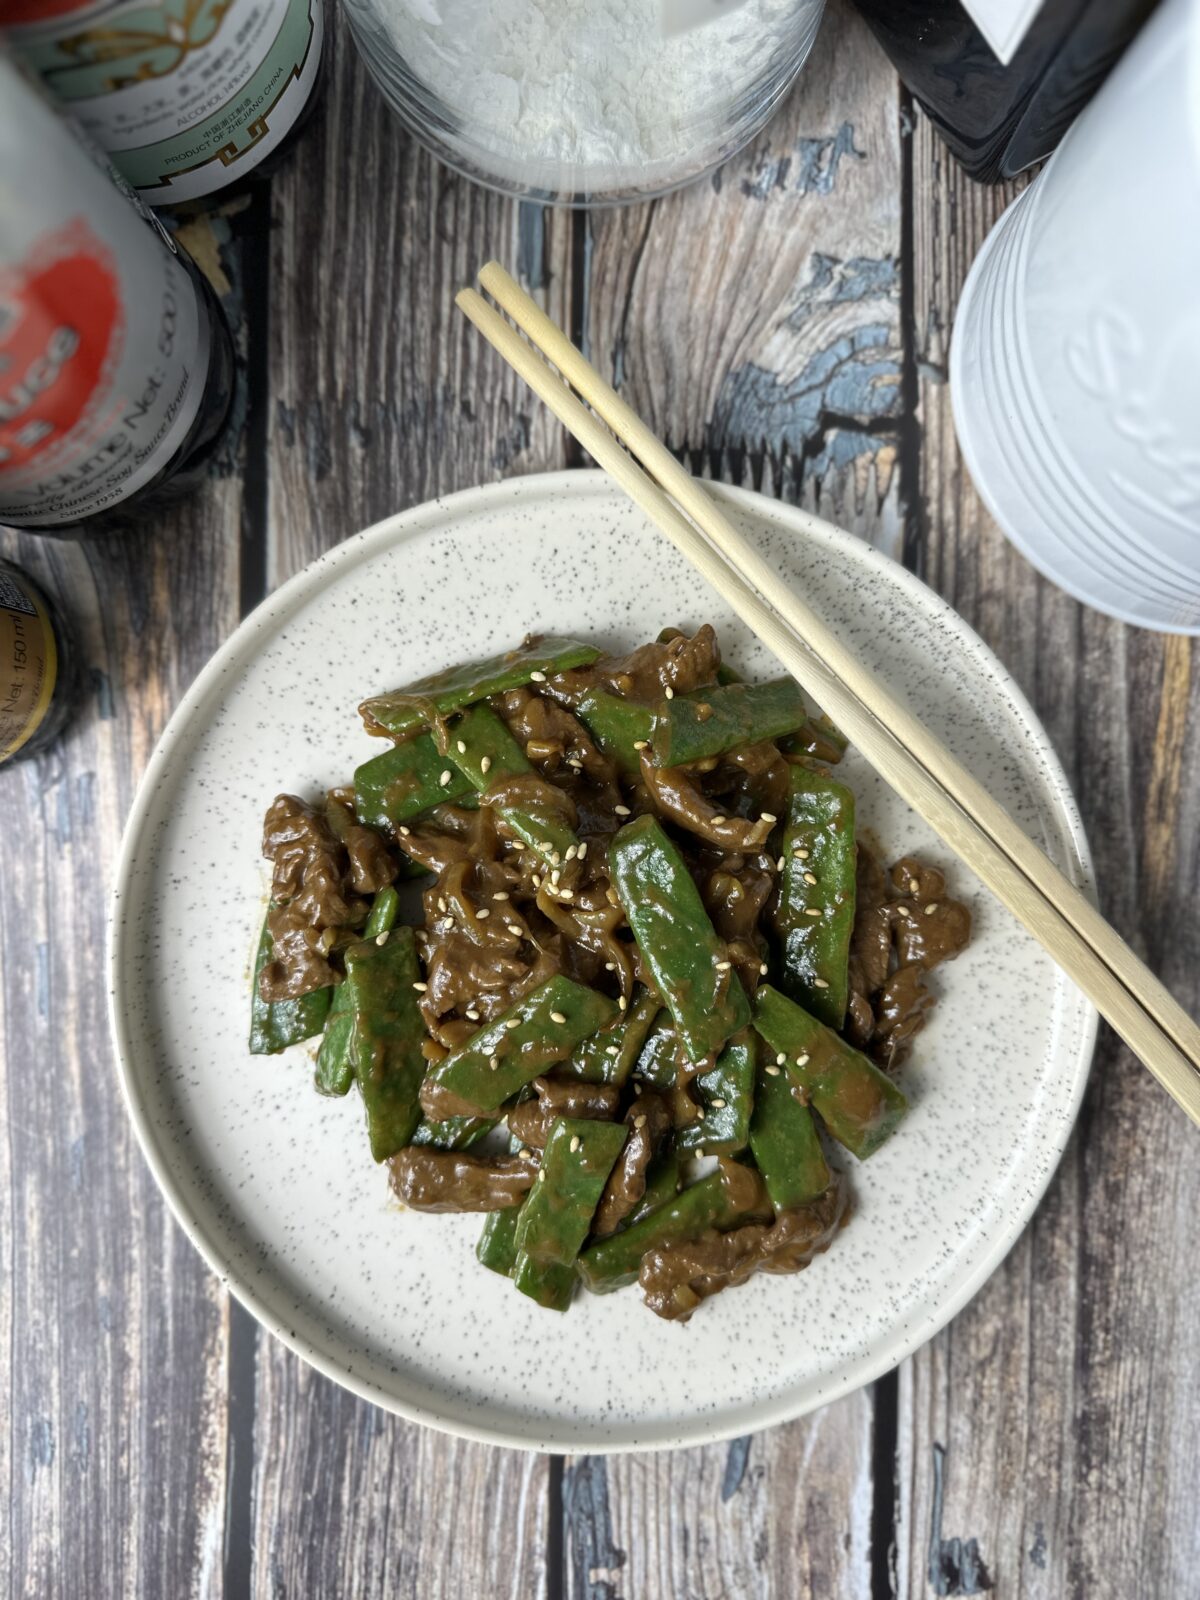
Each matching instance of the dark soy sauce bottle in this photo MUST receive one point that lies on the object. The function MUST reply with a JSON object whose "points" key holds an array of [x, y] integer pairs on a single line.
{"points": [[1000, 118]]}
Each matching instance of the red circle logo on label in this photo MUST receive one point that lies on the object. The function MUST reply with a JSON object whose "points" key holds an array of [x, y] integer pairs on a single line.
{"points": [[13, 12], [60, 320]]}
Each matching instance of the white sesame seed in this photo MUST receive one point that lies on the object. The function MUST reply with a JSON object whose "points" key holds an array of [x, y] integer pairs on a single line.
{"points": [[810, 877], [445, 778], [537, 882], [641, 744], [420, 987], [772, 1072], [482, 914], [812, 911], [763, 968], [538, 677], [557, 1016], [517, 844], [637, 1087], [913, 886], [802, 1059], [444, 925], [404, 832], [622, 1002], [610, 966], [525, 1153], [382, 938], [541, 1174], [800, 852], [571, 851], [612, 1050], [493, 1062], [441, 903], [583, 850], [513, 1022], [722, 966], [780, 1059], [622, 811], [768, 816], [555, 859], [931, 908], [640, 1120], [462, 748], [717, 821], [556, 875], [574, 1144], [716, 1105], [514, 927], [574, 761], [780, 864], [820, 983], [566, 894], [486, 764], [472, 1014], [545, 846]]}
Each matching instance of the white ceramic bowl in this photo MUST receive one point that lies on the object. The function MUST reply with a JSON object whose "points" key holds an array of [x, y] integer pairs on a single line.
{"points": [[275, 1185]]}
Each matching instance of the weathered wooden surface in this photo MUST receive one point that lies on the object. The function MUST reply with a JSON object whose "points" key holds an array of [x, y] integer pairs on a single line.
{"points": [[754, 319], [1065, 1397], [783, 1513], [784, 326], [380, 394], [114, 1333]]}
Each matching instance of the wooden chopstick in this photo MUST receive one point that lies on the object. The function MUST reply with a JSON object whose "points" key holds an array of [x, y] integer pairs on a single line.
{"points": [[907, 755]]}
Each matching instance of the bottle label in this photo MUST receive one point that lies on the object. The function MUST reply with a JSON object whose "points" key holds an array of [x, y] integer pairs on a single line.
{"points": [[28, 664], [102, 366], [1003, 23], [185, 95]]}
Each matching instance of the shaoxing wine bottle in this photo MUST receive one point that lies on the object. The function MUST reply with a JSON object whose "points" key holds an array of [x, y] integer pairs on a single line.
{"points": [[37, 674], [186, 97], [116, 366], [1002, 80]]}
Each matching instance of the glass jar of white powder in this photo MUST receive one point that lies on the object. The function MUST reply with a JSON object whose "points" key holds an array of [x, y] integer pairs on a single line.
{"points": [[584, 102]]}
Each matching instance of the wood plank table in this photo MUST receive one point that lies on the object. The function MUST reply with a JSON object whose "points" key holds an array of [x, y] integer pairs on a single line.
{"points": [[783, 325]]}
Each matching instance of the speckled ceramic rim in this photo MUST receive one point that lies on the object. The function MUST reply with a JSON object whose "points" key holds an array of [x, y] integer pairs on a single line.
{"points": [[247, 639]]}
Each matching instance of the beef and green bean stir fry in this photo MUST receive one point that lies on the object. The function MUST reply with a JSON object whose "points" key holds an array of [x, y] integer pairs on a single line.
{"points": [[651, 978]]}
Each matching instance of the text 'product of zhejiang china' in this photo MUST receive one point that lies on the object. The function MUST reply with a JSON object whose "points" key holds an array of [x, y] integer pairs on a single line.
{"points": [[582, 103], [1075, 366], [186, 98]]}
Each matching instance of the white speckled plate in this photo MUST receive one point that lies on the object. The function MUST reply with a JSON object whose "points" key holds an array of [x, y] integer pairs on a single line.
{"points": [[275, 1185]]}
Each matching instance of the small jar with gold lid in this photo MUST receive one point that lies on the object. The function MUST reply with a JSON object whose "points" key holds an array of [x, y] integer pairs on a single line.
{"points": [[36, 668]]}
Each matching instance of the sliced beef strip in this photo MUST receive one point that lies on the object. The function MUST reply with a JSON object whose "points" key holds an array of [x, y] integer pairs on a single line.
{"points": [[531, 1120], [313, 900], [675, 1279], [649, 1119], [426, 1179]]}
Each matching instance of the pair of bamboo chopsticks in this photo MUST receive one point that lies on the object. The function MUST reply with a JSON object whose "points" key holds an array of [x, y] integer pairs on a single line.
{"points": [[919, 768]]}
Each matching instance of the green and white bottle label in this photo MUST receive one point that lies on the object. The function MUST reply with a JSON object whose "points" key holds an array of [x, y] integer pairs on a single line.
{"points": [[186, 96]]}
